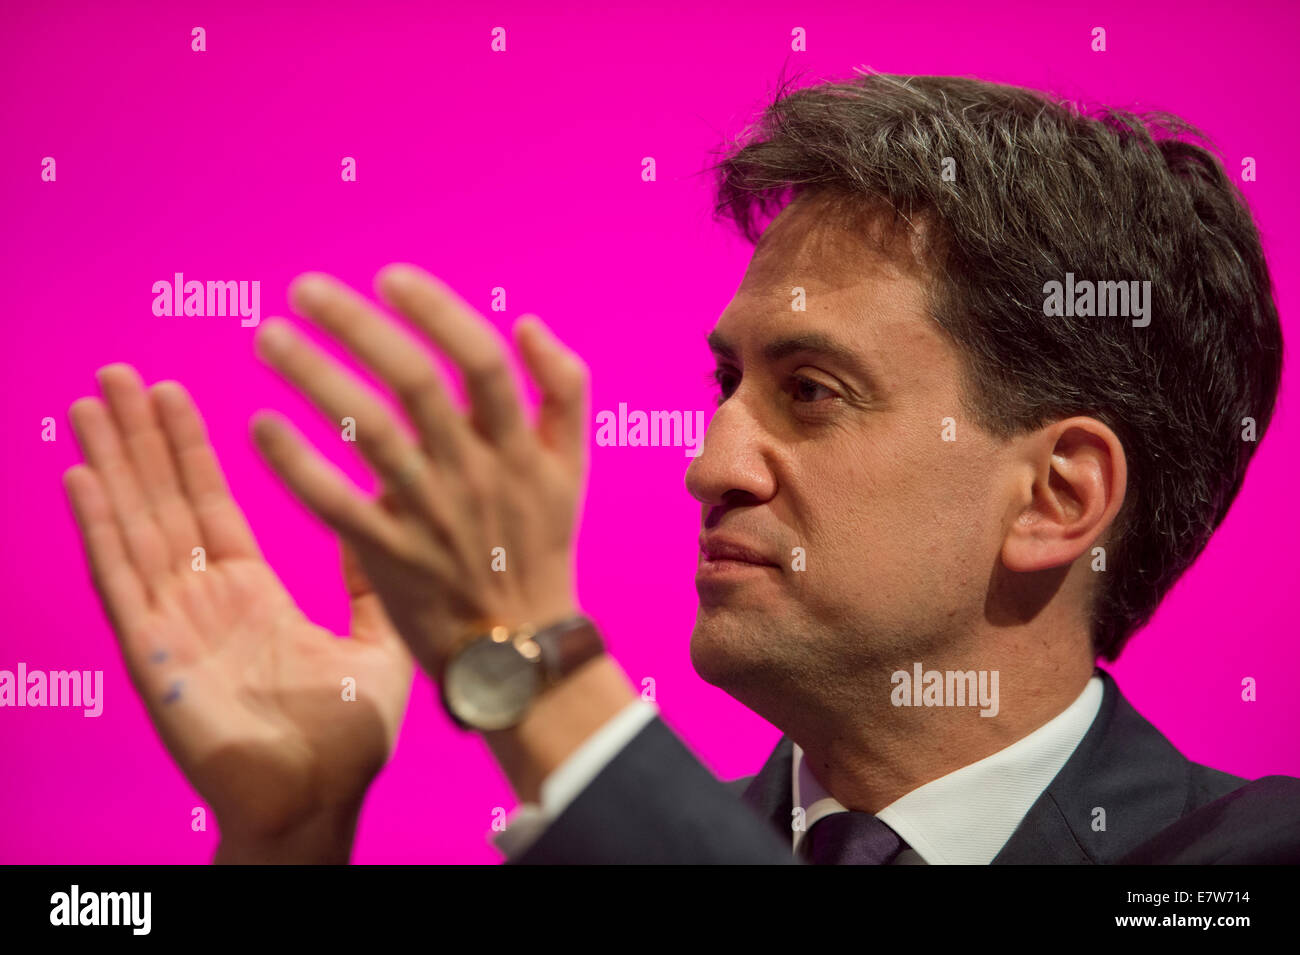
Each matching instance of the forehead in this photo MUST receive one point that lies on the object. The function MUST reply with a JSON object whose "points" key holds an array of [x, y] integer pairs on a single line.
{"points": [[864, 286]]}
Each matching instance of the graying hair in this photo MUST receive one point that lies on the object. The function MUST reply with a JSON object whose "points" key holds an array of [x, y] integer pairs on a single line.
{"points": [[1043, 188]]}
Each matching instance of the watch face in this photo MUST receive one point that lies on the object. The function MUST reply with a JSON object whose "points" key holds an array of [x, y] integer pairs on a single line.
{"points": [[489, 685]]}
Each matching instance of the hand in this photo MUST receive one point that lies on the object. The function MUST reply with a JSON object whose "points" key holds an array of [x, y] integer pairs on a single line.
{"points": [[461, 486], [246, 693]]}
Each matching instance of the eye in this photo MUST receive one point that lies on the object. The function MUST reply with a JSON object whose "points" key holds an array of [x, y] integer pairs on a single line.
{"points": [[805, 390], [725, 380]]}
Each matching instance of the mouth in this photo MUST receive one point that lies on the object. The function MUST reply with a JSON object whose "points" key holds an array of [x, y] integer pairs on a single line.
{"points": [[723, 561]]}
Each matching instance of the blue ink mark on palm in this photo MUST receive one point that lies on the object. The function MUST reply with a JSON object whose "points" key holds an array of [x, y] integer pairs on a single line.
{"points": [[158, 656], [174, 693]]}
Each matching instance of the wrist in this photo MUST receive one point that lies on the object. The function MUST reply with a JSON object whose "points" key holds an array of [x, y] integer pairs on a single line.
{"points": [[323, 838], [496, 676], [558, 722], [435, 661]]}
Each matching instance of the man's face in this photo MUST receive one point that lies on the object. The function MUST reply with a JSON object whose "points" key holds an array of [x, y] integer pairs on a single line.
{"points": [[829, 438]]}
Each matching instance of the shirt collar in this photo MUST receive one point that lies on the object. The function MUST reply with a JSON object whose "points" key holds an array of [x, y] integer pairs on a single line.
{"points": [[967, 816]]}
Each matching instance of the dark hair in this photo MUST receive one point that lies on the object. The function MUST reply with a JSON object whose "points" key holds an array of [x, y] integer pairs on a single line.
{"points": [[1042, 189]]}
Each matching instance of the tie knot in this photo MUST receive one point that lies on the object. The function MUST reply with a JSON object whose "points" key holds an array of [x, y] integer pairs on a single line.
{"points": [[851, 838]]}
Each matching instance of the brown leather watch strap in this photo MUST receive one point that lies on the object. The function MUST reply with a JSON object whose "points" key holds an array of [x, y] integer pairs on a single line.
{"points": [[567, 645]]}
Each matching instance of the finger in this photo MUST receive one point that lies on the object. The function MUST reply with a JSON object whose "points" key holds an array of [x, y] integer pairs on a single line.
{"points": [[321, 487], [120, 589], [396, 356], [151, 459], [563, 381], [467, 339], [383, 442], [144, 541], [223, 525]]}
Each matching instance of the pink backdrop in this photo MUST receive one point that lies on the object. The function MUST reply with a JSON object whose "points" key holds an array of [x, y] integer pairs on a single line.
{"points": [[518, 169]]}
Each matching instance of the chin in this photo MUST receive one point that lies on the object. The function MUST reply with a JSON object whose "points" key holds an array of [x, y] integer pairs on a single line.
{"points": [[708, 660], [729, 653]]}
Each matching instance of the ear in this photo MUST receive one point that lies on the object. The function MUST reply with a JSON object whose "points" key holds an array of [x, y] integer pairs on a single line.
{"points": [[1079, 476]]}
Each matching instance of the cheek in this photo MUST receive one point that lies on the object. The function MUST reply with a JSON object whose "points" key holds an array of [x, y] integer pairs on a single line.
{"points": [[904, 519], [956, 538]]}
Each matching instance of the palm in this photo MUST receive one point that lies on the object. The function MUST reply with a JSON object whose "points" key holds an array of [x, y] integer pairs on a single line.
{"points": [[253, 699], [272, 718]]}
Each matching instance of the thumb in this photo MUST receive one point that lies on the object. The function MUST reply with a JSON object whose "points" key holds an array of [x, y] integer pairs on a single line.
{"points": [[563, 380], [369, 621]]}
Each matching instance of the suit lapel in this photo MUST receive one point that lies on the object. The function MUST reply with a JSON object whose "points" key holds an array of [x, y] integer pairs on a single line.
{"points": [[1123, 766], [1123, 783], [770, 792]]}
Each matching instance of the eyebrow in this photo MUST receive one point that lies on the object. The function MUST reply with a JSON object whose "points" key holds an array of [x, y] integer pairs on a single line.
{"points": [[805, 343]]}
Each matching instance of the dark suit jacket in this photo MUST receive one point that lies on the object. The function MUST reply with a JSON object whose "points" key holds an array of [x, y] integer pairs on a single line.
{"points": [[655, 803]]}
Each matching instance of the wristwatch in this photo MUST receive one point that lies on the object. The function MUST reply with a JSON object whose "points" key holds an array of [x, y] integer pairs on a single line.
{"points": [[492, 680]]}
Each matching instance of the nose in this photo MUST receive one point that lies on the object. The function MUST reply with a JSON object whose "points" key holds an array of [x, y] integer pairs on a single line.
{"points": [[733, 461]]}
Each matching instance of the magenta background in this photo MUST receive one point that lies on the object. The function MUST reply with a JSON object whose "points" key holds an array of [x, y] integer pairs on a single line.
{"points": [[519, 169]]}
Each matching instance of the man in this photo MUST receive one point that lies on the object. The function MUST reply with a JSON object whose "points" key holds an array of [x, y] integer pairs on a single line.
{"points": [[931, 498]]}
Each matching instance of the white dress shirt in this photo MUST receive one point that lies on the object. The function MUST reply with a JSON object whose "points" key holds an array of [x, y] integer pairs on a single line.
{"points": [[965, 817]]}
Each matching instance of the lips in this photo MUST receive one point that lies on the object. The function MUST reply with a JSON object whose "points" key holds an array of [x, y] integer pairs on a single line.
{"points": [[723, 548]]}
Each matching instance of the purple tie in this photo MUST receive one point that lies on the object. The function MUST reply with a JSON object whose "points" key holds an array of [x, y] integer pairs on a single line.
{"points": [[850, 838]]}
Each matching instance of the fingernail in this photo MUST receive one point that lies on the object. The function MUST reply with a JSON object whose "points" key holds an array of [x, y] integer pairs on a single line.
{"points": [[310, 290], [396, 278], [101, 371], [273, 340]]}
